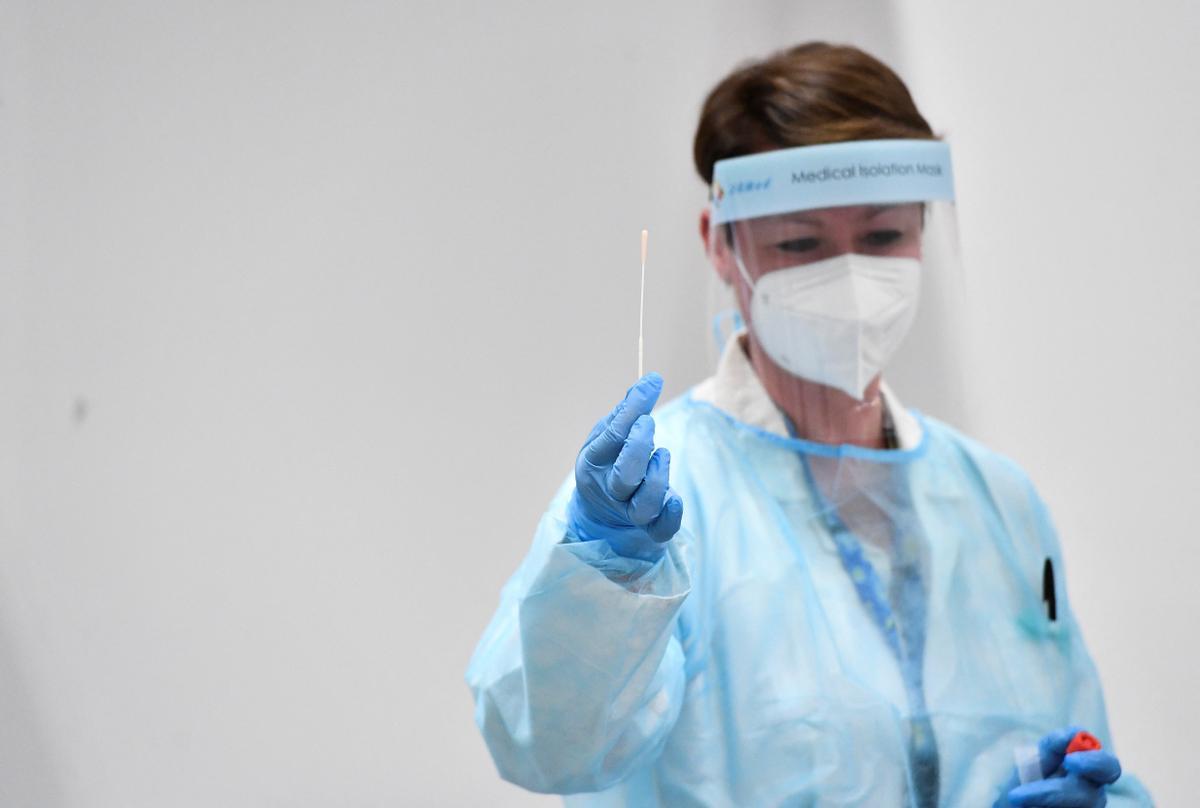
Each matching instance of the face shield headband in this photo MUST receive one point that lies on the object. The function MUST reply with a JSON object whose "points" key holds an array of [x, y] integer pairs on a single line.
{"points": [[859, 172]]}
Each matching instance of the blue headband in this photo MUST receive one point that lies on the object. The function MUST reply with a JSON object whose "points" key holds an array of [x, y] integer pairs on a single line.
{"points": [[858, 172]]}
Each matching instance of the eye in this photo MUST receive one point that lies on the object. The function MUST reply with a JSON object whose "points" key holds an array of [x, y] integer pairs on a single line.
{"points": [[882, 238], [798, 245]]}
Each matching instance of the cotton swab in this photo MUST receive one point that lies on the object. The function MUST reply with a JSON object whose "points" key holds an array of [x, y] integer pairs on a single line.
{"points": [[642, 306]]}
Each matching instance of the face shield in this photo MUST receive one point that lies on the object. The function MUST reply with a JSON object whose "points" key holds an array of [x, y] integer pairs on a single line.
{"points": [[844, 261]]}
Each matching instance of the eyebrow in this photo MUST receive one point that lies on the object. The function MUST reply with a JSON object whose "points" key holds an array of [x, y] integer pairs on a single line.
{"points": [[875, 210], [799, 219]]}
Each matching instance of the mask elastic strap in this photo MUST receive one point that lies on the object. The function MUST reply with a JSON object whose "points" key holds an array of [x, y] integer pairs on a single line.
{"points": [[719, 335], [742, 269], [737, 259]]}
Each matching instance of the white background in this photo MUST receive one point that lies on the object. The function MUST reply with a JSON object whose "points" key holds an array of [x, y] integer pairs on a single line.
{"points": [[305, 308]]}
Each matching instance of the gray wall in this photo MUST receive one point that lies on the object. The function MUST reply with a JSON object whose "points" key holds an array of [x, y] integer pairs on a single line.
{"points": [[304, 309]]}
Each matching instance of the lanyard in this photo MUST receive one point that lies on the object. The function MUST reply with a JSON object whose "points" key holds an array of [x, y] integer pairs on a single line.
{"points": [[904, 635]]}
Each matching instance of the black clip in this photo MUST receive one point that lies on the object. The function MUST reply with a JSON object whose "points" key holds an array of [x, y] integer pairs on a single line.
{"points": [[1048, 590]]}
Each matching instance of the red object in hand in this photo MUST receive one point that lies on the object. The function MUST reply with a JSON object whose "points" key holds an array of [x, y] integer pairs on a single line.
{"points": [[1083, 742]]}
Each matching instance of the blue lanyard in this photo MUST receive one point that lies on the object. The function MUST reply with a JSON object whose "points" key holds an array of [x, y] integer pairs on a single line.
{"points": [[905, 637]]}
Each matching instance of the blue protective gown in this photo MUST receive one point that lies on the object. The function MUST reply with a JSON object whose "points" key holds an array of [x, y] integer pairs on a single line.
{"points": [[822, 613]]}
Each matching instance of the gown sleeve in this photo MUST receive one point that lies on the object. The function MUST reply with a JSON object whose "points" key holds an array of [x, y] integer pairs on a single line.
{"points": [[579, 677], [1086, 697]]}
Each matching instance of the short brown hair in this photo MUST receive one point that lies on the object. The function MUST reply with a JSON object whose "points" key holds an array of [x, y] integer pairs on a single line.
{"points": [[812, 93]]}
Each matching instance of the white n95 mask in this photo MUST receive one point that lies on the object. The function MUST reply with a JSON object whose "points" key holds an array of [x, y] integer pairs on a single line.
{"points": [[838, 321]]}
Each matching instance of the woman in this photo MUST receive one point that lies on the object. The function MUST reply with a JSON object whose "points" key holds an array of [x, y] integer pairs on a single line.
{"points": [[836, 601]]}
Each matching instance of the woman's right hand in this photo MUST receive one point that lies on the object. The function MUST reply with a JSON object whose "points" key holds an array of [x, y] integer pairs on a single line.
{"points": [[622, 492]]}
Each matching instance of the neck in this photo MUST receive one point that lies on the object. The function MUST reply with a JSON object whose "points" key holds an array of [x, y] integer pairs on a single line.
{"points": [[820, 413]]}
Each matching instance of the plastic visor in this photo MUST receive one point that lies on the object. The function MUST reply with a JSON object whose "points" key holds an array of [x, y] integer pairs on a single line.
{"points": [[869, 217]]}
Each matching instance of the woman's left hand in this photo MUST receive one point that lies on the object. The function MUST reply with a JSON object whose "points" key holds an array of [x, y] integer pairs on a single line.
{"points": [[1077, 780]]}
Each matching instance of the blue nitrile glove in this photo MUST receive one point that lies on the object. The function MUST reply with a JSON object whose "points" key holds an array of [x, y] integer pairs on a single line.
{"points": [[621, 487], [1076, 780]]}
